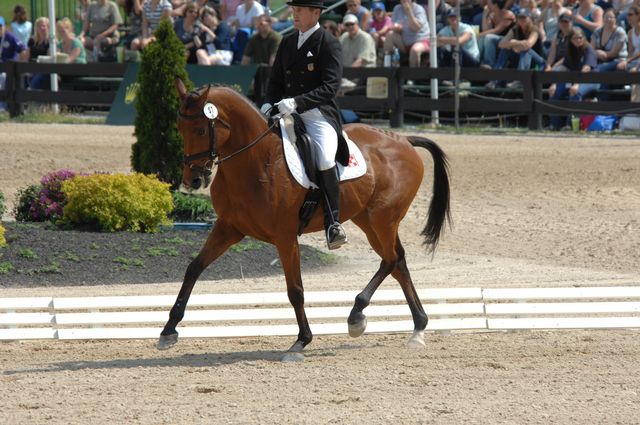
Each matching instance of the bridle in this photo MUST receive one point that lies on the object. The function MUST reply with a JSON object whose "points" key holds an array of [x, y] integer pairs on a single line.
{"points": [[212, 153]]}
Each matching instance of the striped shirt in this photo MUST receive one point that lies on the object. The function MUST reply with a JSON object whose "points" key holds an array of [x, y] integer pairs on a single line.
{"points": [[154, 15]]}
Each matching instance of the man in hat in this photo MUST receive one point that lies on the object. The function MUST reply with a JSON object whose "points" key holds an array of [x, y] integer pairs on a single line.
{"points": [[305, 78], [358, 47]]}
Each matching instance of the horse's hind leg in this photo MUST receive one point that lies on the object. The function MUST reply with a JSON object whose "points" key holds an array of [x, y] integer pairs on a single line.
{"points": [[219, 240], [357, 321], [420, 319]]}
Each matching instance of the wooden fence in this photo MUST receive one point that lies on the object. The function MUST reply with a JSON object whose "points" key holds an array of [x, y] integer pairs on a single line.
{"points": [[269, 314], [530, 100]]}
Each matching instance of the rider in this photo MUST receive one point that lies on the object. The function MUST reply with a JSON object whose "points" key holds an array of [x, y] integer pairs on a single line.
{"points": [[305, 78]]}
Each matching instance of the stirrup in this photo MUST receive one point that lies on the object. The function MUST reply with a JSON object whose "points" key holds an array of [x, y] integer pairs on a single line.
{"points": [[336, 236]]}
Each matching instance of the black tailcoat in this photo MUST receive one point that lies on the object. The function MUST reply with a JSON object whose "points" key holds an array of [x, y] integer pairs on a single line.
{"points": [[311, 75]]}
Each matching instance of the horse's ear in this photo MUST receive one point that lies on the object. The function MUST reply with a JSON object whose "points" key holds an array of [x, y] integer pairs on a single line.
{"points": [[205, 95], [180, 87]]}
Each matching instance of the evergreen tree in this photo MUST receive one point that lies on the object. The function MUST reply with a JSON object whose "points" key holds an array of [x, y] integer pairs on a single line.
{"points": [[158, 149]]}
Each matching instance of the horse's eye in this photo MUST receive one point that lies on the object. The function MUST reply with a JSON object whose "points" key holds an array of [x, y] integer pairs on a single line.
{"points": [[200, 131]]}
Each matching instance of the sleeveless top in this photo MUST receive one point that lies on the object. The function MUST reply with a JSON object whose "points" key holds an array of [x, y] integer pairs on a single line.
{"points": [[635, 40], [518, 34], [588, 17]]}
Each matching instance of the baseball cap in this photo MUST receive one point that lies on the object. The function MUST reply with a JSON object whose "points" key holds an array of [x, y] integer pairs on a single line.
{"points": [[378, 6], [523, 12], [1, 21], [451, 12], [565, 17], [350, 18]]}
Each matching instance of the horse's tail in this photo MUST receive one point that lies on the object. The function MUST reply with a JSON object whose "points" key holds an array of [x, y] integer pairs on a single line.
{"points": [[439, 208]]}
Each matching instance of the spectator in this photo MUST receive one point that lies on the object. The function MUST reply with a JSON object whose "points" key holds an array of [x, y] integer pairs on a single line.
{"points": [[410, 31], [496, 23], [588, 16], [11, 48], [216, 39], [39, 43], [358, 47], [442, 9], [621, 8], [39, 46], [133, 9], [632, 62], [20, 26], [188, 29], [457, 32], [559, 45], [331, 27], [68, 43], [380, 24], [228, 9], [610, 43], [580, 57], [520, 47], [355, 7], [283, 21], [247, 14], [152, 13], [263, 45], [470, 10], [101, 25], [549, 23]]}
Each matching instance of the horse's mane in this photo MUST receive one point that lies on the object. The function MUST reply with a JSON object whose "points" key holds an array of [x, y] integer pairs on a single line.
{"points": [[194, 96]]}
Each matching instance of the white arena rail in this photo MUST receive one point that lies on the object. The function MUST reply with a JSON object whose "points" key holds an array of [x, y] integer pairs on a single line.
{"points": [[269, 314]]}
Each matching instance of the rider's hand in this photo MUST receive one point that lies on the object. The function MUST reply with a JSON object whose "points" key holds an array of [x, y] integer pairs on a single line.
{"points": [[266, 109], [287, 106]]}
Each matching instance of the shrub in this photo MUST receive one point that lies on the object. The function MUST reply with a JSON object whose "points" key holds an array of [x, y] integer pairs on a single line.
{"points": [[24, 199], [158, 149], [110, 202], [51, 199], [3, 241], [191, 207], [43, 202], [3, 208]]}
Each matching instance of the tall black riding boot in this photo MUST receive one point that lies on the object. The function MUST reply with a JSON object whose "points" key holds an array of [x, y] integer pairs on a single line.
{"points": [[329, 184]]}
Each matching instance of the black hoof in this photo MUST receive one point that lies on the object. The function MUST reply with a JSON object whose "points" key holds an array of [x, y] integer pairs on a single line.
{"points": [[167, 341]]}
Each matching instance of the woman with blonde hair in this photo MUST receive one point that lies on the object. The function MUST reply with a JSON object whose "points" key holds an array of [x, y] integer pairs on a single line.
{"points": [[39, 46], [68, 43], [39, 43]]}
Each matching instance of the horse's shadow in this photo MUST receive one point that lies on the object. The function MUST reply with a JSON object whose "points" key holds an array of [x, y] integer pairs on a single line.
{"points": [[208, 360]]}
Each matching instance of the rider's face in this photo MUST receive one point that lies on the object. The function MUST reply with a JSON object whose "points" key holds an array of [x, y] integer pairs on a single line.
{"points": [[305, 17]]}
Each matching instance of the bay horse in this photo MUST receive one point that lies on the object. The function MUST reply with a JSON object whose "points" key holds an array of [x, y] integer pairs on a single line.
{"points": [[254, 194]]}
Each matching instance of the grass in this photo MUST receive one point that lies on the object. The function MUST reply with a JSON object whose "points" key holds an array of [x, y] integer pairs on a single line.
{"points": [[6, 267], [28, 254], [51, 118]]}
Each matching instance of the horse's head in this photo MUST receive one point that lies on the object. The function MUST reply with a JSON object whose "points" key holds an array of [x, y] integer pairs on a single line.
{"points": [[203, 130]]}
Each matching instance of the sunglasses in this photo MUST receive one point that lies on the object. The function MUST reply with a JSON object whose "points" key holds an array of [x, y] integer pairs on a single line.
{"points": [[577, 38], [350, 24]]}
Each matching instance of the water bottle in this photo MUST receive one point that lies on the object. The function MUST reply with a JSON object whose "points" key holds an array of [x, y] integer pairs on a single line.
{"points": [[387, 60], [395, 58]]}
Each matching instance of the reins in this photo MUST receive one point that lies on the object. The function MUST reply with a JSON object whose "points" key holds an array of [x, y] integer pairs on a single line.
{"points": [[250, 145]]}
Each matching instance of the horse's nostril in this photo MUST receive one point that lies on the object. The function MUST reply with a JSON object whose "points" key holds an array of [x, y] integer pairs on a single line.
{"points": [[196, 183]]}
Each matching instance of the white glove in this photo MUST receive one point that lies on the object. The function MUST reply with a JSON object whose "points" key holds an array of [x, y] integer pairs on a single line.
{"points": [[287, 106], [266, 108]]}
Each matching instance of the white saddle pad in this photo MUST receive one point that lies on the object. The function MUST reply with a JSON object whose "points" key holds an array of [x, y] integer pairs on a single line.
{"points": [[356, 167]]}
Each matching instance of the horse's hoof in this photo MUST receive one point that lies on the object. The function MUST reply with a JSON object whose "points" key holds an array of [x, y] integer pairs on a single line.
{"points": [[291, 357], [167, 341], [357, 329], [417, 340]]}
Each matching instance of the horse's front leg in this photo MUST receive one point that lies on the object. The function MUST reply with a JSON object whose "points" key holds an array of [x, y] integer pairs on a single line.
{"points": [[289, 252], [222, 236]]}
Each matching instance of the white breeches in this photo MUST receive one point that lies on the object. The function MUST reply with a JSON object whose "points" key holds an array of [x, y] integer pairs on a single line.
{"points": [[324, 137]]}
